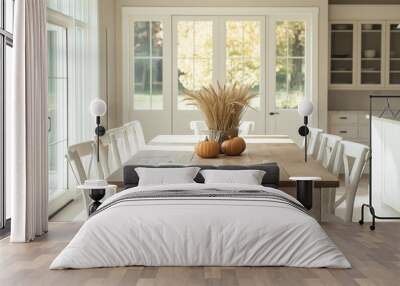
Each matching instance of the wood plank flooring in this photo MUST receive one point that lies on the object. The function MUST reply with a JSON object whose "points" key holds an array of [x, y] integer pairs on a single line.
{"points": [[375, 257]]}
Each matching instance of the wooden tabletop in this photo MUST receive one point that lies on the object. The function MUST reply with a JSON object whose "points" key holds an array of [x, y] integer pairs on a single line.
{"points": [[178, 149]]}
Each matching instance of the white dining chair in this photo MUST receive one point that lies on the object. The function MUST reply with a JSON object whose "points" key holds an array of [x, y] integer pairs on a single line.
{"points": [[140, 138], [327, 150], [131, 138], [81, 158], [199, 127], [353, 157], [118, 146], [246, 127], [313, 141]]}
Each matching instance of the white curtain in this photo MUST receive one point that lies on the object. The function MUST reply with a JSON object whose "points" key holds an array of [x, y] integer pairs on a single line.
{"points": [[27, 123]]}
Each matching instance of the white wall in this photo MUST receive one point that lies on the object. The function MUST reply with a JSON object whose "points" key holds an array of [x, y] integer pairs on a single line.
{"points": [[110, 21]]}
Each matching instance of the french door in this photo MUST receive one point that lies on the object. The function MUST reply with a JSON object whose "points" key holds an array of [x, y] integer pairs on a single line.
{"points": [[212, 49], [271, 53], [290, 52]]}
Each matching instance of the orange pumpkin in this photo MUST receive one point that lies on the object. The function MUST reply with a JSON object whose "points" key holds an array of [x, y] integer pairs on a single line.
{"points": [[233, 146], [207, 149]]}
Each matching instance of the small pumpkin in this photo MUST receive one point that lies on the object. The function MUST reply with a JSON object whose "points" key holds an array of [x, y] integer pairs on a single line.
{"points": [[207, 149], [233, 146]]}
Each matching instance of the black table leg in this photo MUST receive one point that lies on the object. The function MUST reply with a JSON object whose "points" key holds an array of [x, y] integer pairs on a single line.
{"points": [[305, 193], [96, 195]]}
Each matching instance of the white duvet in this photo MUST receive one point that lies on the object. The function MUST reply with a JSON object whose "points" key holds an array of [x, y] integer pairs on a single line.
{"points": [[212, 231]]}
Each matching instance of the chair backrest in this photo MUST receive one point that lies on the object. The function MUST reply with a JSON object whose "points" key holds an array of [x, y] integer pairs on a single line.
{"points": [[355, 157], [327, 150], [313, 141], [199, 127], [81, 158], [140, 139], [131, 138], [118, 146], [246, 127]]}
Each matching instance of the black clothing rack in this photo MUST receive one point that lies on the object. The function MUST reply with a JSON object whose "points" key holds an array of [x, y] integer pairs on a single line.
{"points": [[393, 115]]}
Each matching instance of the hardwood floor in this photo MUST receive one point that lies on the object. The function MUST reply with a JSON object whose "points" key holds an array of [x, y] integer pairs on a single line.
{"points": [[375, 257]]}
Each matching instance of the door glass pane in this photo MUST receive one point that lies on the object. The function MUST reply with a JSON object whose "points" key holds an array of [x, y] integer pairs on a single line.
{"points": [[57, 109], [342, 53], [148, 65], [371, 53], [394, 67], [195, 57], [290, 64], [243, 49], [141, 39]]}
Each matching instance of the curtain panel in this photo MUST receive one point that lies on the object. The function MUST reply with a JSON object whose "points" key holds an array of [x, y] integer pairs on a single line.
{"points": [[27, 123]]}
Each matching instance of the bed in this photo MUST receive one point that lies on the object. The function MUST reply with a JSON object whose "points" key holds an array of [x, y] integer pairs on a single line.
{"points": [[199, 224]]}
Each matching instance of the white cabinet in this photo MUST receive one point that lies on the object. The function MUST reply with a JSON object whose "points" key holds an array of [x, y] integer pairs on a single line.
{"points": [[364, 55], [352, 125]]}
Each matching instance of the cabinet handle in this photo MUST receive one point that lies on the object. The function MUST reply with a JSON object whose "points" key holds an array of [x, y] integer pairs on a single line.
{"points": [[343, 117], [343, 131]]}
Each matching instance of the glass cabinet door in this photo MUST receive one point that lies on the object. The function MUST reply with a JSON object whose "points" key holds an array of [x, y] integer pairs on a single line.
{"points": [[371, 54], [394, 53], [342, 55]]}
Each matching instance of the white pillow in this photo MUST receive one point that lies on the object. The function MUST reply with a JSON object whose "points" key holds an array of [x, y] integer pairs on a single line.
{"points": [[166, 176], [248, 177]]}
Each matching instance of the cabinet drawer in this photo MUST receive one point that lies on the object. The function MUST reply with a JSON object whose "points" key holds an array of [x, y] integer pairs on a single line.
{"points": [[347, 132], [343, 118]]}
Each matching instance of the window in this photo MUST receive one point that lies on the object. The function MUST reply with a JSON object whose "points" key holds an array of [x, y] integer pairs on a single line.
{"points": [[243, 43], [148, 65], [194, 56], [77, 9], [6, 44], [290, 63]]}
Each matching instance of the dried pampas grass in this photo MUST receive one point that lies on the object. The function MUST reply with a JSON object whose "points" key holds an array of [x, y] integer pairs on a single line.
{"points": [[223, 106]]}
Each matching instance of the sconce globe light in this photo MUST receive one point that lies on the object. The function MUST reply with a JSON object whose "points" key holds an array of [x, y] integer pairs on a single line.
{"points": [[98, 107], [305, 107]]}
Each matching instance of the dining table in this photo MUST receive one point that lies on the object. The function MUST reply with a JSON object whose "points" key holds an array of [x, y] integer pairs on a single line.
{"points": [[279, 149]]}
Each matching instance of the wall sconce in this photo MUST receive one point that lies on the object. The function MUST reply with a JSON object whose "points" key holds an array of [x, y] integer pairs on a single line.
{"points": [[305, 109]]}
